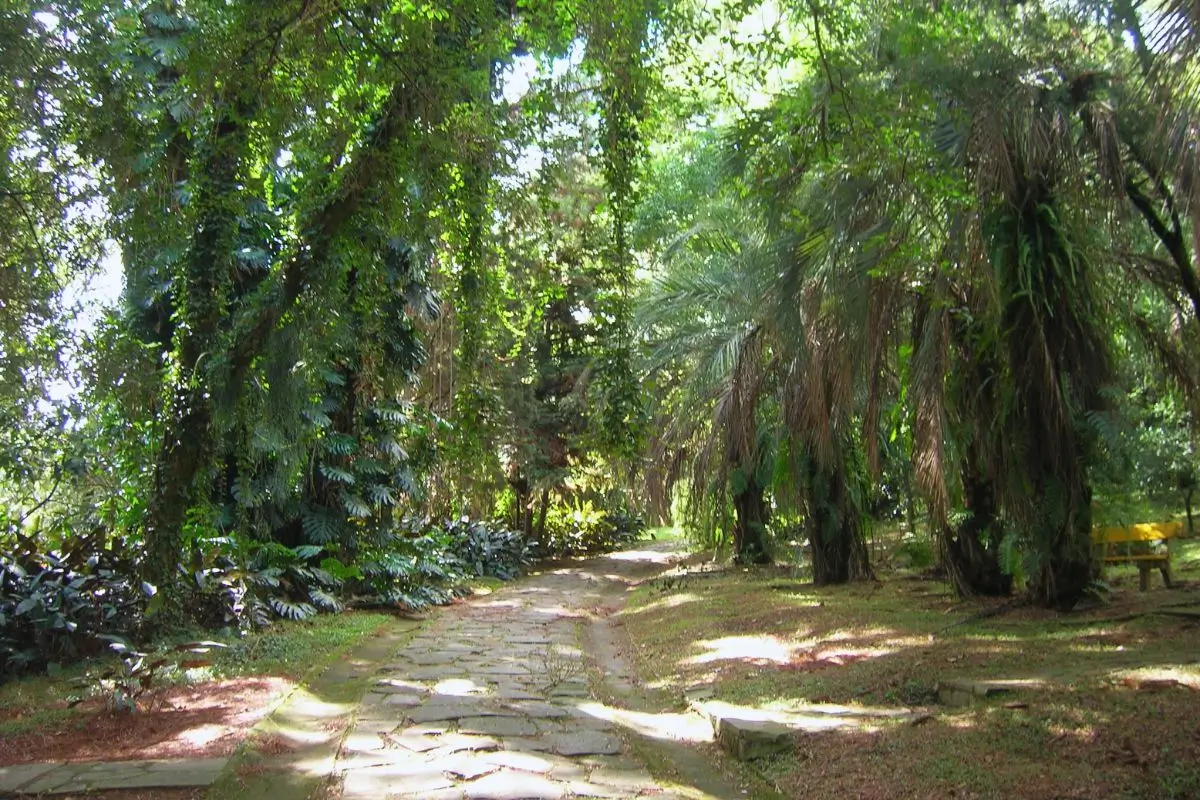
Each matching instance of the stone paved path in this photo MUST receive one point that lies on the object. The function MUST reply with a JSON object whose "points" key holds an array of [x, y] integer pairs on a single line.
{"points": [[491, 702]]}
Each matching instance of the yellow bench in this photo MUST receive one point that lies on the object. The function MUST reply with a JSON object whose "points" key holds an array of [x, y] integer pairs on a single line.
{"points": [[1147, 545]]}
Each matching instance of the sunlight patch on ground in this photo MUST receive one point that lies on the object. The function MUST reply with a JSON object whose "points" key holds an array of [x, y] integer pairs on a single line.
{"points": [[500, 604], [1188, 676], [647, 556], [308, 705], [459, 687], [203, 735], [674, 601], [666, 726], [559, 611], [744, 648]]}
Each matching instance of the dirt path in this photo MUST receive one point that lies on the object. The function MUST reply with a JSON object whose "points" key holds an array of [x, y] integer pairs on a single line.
{"points": [[495, 700]]}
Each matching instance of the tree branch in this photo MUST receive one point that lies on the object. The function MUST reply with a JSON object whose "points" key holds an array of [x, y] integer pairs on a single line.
{"points": [[1172, 240]]}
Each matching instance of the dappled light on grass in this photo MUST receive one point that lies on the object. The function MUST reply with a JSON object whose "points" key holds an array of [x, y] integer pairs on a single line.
{"points": [[743, 648], [1163, 676], [803, 654], [808, 718], [672, 601]]}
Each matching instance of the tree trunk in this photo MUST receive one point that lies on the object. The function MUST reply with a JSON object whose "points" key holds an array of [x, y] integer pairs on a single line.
{"points": [[189, 445], [541, 523], [750, 525], [834, 529], [1066, 569], [971, 553]]}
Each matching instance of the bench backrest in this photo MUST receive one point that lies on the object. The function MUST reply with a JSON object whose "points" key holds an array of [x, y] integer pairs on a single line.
{"points": [[1145, 532]]}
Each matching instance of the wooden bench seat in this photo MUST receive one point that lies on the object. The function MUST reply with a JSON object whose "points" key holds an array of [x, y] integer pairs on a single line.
{"points": [[1146, 544]]}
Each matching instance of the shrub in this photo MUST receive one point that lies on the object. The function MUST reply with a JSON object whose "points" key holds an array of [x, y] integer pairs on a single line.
{"points": [[412, 566], [585, 529], [262, 581], [489, 550], [57, 605]]}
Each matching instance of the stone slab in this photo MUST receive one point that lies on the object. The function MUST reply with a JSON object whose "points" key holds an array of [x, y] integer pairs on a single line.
{"points": [[15, 777], [747, 739], [585, 743], [497, 726], [507, 785]]}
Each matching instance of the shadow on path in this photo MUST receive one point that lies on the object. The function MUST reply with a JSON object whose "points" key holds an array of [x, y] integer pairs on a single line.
{"points": [[521, 694]]}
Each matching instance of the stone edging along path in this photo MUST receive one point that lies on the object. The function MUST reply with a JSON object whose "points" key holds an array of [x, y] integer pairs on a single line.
{"points": [[63, 778]]}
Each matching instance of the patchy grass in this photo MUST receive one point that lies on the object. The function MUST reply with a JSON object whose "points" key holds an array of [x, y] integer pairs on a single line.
{"points": [[1113, 709], [286, 650]]}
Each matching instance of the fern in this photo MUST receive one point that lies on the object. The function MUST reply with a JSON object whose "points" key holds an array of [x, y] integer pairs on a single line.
{"points": [[340, 444], [390, 447], [393, 415], [325, 600], [320, 526], [306, 551]]}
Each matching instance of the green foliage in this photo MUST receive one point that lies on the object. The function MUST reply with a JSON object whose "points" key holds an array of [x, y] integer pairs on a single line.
{"points": [[582, 529], [411, 568], [57, 605], [241, 587], [487, 550]]}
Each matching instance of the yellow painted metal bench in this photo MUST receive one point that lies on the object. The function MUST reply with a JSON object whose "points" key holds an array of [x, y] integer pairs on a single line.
{"points": [[1146, 544]]}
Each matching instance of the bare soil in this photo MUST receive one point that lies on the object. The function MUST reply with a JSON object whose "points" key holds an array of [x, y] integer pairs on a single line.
{"points": [[201, 721]]}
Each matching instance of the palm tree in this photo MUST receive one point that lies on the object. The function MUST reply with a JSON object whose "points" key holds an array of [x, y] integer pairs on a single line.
{"points": [[705, 320]]}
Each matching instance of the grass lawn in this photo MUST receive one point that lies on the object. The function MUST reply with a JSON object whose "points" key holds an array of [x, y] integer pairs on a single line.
{"points": [[1112, 707]]}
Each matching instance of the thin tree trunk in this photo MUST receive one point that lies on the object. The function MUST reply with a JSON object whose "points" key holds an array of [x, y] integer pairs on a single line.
{"points": [[1187, 500], [541, 523]]}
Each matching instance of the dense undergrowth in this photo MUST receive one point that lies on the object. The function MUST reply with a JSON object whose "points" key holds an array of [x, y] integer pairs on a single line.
{"points": [[62, 604]]}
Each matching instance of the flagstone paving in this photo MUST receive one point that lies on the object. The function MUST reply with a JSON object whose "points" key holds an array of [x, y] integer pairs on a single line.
{"points": [[488, 703]]}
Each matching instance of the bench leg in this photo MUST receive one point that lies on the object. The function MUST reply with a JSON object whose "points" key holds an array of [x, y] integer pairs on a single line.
{"points": [[1144, 577], [1165, 569]]}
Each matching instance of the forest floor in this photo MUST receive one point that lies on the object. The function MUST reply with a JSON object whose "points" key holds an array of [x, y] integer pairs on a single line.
{"points": [[518, 692], [1104, 701], [196, 712], [577, 679]]}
